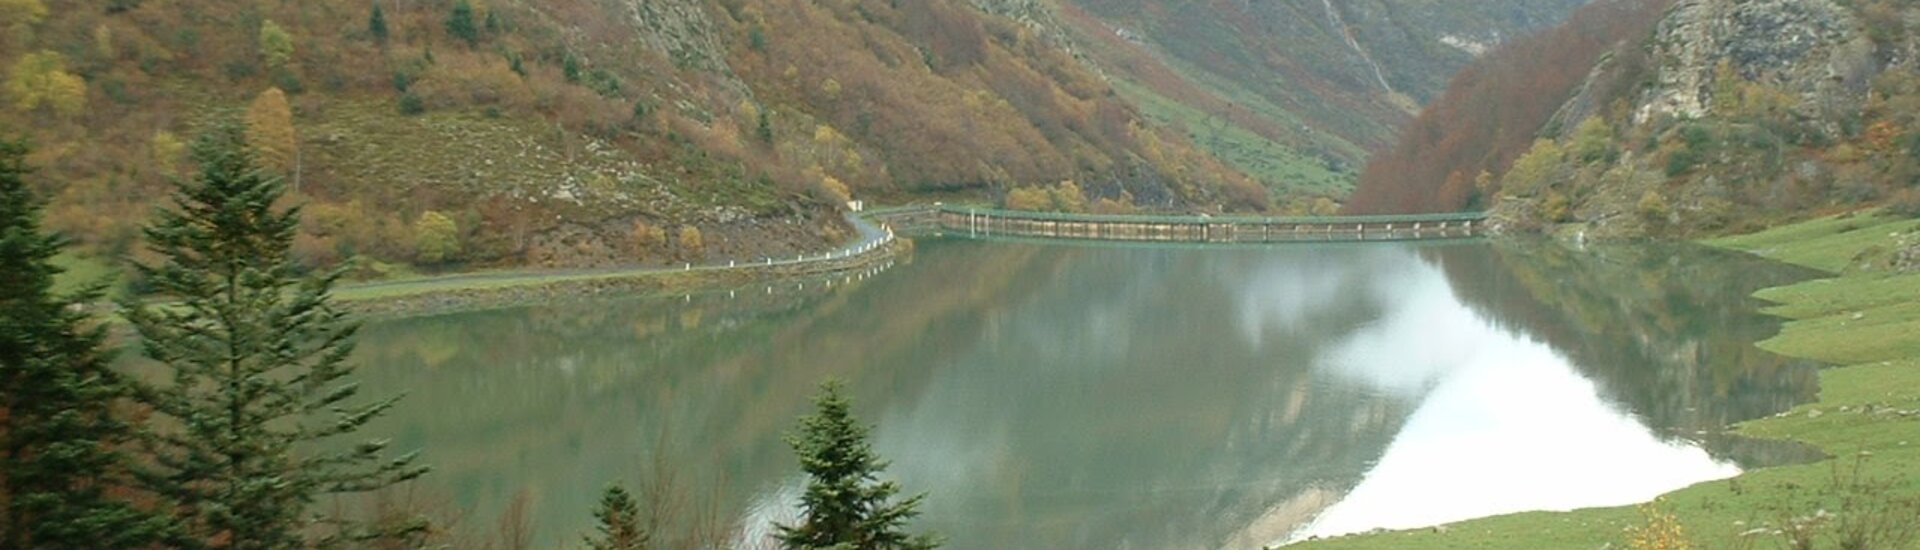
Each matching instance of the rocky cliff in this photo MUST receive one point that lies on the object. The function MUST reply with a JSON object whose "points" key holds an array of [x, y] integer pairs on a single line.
{"points": [[1814, 50], [1734, 113]]}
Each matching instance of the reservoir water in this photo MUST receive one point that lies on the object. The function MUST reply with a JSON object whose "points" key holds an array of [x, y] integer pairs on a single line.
{"points": [[1080, 396]]}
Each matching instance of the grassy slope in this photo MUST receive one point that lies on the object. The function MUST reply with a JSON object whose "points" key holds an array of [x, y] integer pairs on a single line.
{"points": [[1285, 171], [81, 272], [1866, 416]]}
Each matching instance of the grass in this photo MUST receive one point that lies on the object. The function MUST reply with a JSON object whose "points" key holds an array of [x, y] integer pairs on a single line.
{"points": [[1283, 170], [1867, 419], [1828, 244], [82, 271]]}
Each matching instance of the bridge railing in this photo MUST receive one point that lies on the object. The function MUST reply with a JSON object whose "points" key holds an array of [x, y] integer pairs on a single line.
{"points": [[1457, 217]]}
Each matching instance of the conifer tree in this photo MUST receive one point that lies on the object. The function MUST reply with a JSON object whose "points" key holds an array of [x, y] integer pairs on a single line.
{"points": [[618, 518], [846, 505], [377, 24], [258, 392], [60, 436], [570, 68], [460, 22]]}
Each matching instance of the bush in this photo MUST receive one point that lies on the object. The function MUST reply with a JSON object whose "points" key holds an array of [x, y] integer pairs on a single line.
{"points": [[691, 242], [1681, 161], [460, 24], [436, 238], [1905, 204], [411, 104], [1658, 530], [647, 237], [1032, 199], [1653, 208]]}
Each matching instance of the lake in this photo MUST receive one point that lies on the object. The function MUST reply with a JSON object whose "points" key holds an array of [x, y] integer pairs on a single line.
{"points": [[1053, 395]]}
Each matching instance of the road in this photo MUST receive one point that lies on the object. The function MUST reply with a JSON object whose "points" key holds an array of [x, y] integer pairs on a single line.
{"points": [[871, 236]]}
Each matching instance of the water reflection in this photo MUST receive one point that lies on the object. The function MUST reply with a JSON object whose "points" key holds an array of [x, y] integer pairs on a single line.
{"points": [[1088, 397], [1505, 424]]}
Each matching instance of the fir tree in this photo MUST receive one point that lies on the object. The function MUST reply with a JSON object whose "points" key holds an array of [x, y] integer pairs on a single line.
{"points": [[258, 391], [570, 68], [377, 24], [846, 505], [460, 23], [619, 522], [59, 431], [764, 129]]}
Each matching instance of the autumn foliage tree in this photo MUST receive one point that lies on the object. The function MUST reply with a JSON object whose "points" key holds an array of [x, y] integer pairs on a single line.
{"points": [[276, 45], [40, 79], [436, 237], [1494, 109], [270, 131]]}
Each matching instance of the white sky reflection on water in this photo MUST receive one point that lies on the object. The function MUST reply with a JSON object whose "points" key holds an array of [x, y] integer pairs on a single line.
{"points": [[1502, 423]]}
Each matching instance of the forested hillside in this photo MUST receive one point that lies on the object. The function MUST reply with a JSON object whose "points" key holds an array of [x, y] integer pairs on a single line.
{"points": [[1297, 93], [1717, 117], [574, 132], [1493, 109]]}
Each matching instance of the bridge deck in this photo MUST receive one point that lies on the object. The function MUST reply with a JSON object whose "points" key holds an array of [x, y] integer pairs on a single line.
{"points": [[994, 222]]}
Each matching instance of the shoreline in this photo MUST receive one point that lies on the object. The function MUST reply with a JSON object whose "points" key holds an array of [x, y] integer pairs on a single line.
{"points": [[1865, 327], [466, 291], [480, 291]]}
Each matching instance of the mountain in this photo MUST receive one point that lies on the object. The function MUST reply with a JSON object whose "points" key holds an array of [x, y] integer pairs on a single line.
{"points": [[1296, 93], [574, 132], [462, 133], [1718, 116]]}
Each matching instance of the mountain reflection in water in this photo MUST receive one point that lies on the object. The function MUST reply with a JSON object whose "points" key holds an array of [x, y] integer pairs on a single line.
{"points": [[1098, 397]]}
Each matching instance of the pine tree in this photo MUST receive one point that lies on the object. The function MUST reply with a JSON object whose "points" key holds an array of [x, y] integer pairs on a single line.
{"points": [[258, 390], [59, 431], [460, 23], [619, 522], [846, 505], [377, 24]]}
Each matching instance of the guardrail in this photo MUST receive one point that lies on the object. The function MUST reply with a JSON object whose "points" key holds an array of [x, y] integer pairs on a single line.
{"points": [[985, 221]]}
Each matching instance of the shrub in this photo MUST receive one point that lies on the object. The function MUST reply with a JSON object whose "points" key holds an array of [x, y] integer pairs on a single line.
{"points": [[1659, 530], [276, 45], [436, 239], [41, 79], [647, 237], [460, 24], [1535, 171], [1653, 208], [1593, 141], [1905, 203], [411, 104], [1681, 161], [691, 242], [604, 83], [1067, 197], [1028, 198]]}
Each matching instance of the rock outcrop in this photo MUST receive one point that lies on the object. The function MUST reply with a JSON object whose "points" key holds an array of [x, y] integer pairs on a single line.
{"points": [[1734, 112], [682, 31], [1814, 49]]}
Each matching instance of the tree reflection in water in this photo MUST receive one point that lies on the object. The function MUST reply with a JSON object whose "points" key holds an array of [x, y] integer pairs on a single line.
{"points": [[1085, 396]]}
